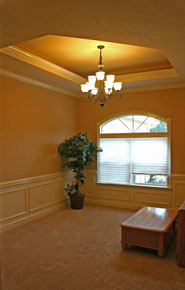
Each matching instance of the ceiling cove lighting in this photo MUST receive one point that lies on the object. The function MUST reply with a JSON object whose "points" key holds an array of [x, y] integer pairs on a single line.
{"points": [[100, 87]]}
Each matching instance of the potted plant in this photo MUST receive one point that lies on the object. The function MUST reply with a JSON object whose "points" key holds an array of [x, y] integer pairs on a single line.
{"points": [[80, 152]]}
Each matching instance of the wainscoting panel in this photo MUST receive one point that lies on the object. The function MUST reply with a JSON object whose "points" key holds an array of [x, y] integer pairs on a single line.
{"points": [[179, 193], [41, 196], [89, 187], [135, 197], [107, 193], [12, 204], [60, 192], [27, 199], [148, 198]]}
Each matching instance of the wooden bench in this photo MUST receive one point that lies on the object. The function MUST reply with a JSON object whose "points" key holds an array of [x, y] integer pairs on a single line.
{"points": [[150, 227]]}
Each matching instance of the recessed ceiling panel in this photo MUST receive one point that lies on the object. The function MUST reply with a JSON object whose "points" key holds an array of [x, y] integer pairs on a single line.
{"points": [[81, 56]]}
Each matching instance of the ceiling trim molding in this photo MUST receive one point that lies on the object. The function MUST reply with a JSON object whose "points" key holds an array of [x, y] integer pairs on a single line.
{"points": [[149, 75], [155, 87], [62, 91], [28, 57], [36, 82]]}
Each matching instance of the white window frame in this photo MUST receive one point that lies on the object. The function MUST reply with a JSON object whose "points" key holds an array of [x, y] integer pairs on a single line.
{"points": [[139, 135]]}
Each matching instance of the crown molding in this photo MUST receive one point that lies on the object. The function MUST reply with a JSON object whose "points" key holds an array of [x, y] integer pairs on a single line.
{"points": [[65, 92], [148, 75], [155, 87], [36, 82], [28, 57]]}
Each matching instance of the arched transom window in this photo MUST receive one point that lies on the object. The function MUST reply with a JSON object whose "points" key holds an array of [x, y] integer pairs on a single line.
{"points": [[136, 150]]}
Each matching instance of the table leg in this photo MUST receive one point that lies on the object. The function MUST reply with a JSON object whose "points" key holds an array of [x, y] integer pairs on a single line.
{"points": [[161, 253], [161, 248], [124, 245]]}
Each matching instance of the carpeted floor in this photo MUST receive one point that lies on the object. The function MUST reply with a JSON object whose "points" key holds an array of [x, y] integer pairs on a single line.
{"points": [[80, 250]]}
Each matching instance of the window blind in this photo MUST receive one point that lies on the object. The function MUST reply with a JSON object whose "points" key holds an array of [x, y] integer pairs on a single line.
{"points": [[122, 157], [150, 155], [114, 161]]}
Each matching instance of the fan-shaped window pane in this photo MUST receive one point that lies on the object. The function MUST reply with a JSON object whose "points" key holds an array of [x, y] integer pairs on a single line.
{"points": [[140, 124], [157, 125], [114, 126], [148, 124], [133, 124], [127, 121]]}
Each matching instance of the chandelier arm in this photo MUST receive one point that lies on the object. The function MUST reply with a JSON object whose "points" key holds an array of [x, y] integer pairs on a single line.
{"points": [[91, 97], [95, 101], [116, 95], [85, 97]]}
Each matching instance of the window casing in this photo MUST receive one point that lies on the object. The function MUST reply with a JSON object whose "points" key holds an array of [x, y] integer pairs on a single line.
{"points": [[136, 151]]}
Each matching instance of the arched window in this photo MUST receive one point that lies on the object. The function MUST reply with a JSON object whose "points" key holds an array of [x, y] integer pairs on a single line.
{"points": [[136, 150]]}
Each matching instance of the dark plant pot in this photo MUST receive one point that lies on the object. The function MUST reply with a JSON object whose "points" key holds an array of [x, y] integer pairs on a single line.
{"points": [[77, 201]]}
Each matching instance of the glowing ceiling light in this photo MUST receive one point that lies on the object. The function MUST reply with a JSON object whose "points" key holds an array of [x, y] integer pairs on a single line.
{"points": [[101, 88]]}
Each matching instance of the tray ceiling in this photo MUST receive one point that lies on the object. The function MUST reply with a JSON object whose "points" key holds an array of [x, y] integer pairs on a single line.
{"points": [[55, 45], [81, 56]]}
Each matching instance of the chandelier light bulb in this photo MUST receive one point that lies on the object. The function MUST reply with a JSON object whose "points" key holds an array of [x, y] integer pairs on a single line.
{"points": [[92, 79], [84, 88], [108, 85], [94, 91], [108, 91], [117, 86], [90, 86], [100, 75], [110, 78]]}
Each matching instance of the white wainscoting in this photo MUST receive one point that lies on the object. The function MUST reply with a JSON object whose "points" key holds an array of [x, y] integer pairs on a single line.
{"points": [[134, 197], [26, 199]]}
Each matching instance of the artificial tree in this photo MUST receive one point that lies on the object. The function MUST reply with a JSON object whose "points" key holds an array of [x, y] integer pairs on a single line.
{"points": [[80, 152]]}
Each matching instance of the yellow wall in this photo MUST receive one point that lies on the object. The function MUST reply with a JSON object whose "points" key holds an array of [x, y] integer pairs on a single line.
{"points": [[167, 103], [1, 130], [34, 121]]}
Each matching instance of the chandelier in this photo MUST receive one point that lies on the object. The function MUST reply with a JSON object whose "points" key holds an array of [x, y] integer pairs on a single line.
{"points": [[100, 87]]}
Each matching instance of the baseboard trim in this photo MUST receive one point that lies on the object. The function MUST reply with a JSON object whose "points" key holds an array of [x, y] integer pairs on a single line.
{"points": [[114, 204]]}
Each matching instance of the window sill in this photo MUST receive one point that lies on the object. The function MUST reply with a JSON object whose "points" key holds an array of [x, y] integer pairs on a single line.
{"points": [[135, 185]]}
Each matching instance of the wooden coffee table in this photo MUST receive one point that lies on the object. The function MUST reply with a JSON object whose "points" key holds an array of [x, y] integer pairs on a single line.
{"points": [[150, 227]]}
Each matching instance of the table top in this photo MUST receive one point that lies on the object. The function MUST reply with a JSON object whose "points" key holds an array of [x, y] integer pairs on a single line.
{"points": [[151, 219]]}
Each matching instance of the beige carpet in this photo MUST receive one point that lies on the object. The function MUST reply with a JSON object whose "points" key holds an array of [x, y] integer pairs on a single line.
{"points": [[80, 249]]}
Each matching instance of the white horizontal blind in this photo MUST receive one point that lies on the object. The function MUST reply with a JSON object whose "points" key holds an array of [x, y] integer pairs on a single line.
{"points": [[150, 155], [122, 157], [114, 161]]}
